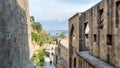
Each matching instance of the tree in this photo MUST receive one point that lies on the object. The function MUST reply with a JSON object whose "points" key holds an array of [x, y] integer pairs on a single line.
{"points": [[32, 19], [61, 36], [39, 57]]}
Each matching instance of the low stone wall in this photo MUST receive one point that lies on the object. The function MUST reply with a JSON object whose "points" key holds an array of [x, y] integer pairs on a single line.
{"points": [[61, 63], [85, 60], [83, 64]]}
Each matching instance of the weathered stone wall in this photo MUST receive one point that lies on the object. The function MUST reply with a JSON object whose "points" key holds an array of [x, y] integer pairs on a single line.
{"points": [[85, 60], [64, 49], [103, 36], [115, 48], [73, 38], [14, 34], [83, 64], [106, 14], [76, 37], [60, 63]]}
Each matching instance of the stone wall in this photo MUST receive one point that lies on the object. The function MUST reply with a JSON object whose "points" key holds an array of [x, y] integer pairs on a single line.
{"points": [[104, 30], [60, 63], [83, 64], [73, 38], [63, 56], [15, 34], [85, 60], [76, 37], [103, 20]]}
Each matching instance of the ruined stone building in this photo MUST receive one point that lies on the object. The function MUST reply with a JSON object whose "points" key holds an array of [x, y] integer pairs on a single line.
{"points": [[50, 48], [94, 36], [14, 34], [62, 56]]}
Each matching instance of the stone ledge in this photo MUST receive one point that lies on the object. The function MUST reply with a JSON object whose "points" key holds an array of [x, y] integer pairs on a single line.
{"points": [[97, 63]]}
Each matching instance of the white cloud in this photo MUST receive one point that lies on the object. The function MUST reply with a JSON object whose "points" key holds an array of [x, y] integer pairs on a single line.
{"points": [[54, 10]]}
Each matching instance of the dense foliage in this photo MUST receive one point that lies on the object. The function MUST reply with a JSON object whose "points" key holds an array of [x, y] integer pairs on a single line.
{"points": [[41, 38], [39, 57], [37, 26], [37, 38]]}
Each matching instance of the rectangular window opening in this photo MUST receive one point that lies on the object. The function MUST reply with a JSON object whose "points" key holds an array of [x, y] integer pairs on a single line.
{"points": [[95, 37], [109, 39], [86, 35], [117, 13], [85, 25], [101, 12], [100, 25], [118, 3], [15, 40], [86, 28]]}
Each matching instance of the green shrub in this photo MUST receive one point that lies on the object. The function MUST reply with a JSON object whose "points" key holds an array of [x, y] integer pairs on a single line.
{"points": [[39, 57], [37, 26]]}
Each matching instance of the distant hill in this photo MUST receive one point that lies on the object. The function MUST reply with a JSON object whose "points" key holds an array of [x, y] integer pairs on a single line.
{"points": [[55, 33]]}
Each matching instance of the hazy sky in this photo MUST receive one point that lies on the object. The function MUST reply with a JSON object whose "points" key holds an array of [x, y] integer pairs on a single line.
{"points": [[54, 14]]}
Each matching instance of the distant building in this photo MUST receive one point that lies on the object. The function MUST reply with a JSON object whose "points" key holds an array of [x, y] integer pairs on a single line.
{"points": [[50, 48], [94, 36]]}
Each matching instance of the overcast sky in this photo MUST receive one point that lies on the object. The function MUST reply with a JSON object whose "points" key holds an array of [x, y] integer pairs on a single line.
{"points": [[54, 14]]}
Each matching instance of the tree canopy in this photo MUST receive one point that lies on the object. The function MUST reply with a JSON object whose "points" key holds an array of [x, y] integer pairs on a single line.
{"points": [[61, 36]]}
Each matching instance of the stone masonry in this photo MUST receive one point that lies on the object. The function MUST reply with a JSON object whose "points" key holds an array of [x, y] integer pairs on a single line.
{"points": [[14, 34], [62, 57], [97, 31], [75, 39]]}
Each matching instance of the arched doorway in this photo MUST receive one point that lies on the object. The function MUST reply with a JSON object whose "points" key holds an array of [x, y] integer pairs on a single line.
{"points": [[71, 45], [71, 34]]}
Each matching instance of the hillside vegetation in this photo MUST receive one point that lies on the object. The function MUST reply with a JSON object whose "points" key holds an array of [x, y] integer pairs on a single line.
{"points": [[39, 37], [38, 34]]}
